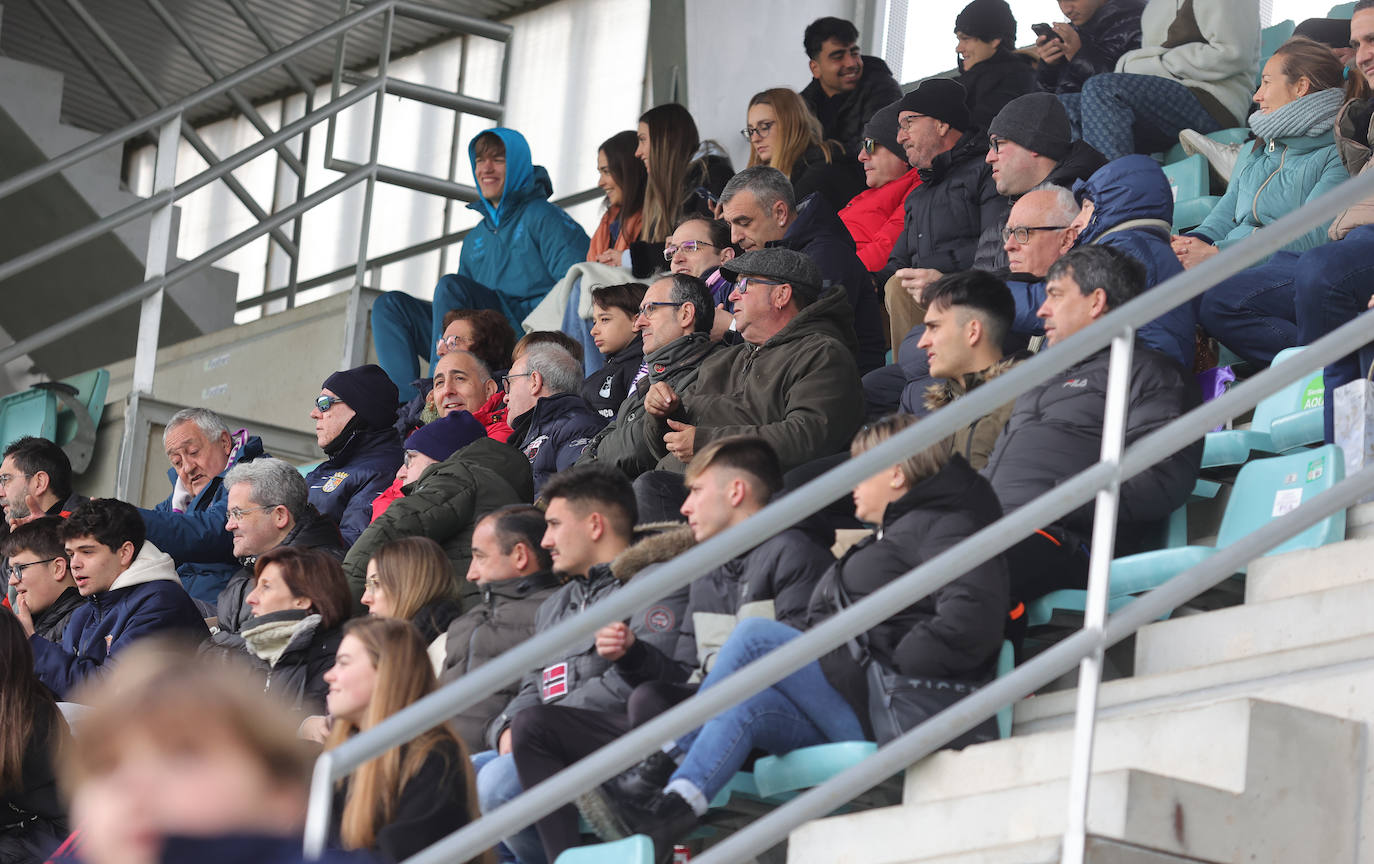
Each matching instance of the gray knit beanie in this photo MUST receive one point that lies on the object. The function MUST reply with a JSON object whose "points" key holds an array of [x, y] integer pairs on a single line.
{"points": [[1036, 121]]}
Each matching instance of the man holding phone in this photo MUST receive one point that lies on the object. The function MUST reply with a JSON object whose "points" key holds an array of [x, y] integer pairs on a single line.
{"points": [[1097, 33]]}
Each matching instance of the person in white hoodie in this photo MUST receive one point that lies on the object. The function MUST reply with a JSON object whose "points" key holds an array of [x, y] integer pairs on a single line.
{"points": [[1195, 69], [131, 589]]}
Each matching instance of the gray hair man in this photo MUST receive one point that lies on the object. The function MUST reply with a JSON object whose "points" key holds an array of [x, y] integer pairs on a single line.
{"points": [[549, 418], [189, 524]]}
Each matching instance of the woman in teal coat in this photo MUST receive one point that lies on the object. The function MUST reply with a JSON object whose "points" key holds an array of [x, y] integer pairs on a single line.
{"points": [[1292, 161]]}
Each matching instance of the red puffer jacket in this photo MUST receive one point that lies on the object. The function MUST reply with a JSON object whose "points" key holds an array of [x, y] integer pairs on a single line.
{"points": [[874, 219]]}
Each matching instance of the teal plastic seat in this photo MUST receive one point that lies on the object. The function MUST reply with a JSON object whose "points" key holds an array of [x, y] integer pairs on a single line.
{"points": [[1006, 660], [638, 849], [306, 469], [741, 785], [81, 403], [784, 776], [1296, 410], [1264, 489], [30, 412], [1188, 180], [1342, 10], [1271, 38]]}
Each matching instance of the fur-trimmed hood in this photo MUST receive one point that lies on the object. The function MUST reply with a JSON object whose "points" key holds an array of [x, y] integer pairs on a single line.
{"points": [[945, 391], [655, 543]]}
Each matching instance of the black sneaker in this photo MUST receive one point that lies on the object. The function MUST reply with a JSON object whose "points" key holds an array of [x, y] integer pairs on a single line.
{"points": [[639, 783], [665, 818]]}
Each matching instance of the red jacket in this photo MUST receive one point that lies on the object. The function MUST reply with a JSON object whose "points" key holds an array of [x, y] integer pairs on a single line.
{"points": [[874, 219]]}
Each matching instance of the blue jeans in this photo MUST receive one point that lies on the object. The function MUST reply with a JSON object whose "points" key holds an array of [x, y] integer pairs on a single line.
{"points": [[1120, 113], [801, 710], [1332, 287], [1252, 313], [498, 783], [405, 328]]}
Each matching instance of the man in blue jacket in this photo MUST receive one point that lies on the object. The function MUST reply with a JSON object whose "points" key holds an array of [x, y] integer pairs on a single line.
{"points": [[189, 524], [132, 591], [510, 259]]}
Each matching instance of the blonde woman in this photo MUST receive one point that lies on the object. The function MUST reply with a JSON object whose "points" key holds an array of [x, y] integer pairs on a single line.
{"points": [[784, 134], [412, 579], [413, 795]]}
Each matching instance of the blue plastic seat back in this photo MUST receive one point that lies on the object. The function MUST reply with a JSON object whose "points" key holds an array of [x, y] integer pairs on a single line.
{"points": [[1187, 178], [808, 766], [1267, 488], [31, 412], [638, 849], [92, 388]]}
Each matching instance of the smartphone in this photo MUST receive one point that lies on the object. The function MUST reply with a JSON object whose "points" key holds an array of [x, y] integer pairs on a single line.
{"points": [[1046, 31], [705, 194]]}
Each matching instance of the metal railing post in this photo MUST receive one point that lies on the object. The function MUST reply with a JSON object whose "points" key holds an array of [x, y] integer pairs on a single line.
{"points": [[355, 319], [150, 312], [1095, 612]]}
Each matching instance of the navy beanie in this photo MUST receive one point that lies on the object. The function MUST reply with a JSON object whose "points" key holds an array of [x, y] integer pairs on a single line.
{"points": [[440, 439], [369, 392]]}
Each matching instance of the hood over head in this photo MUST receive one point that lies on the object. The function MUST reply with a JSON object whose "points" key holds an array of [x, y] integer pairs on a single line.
{"points": [[1132, 187]]}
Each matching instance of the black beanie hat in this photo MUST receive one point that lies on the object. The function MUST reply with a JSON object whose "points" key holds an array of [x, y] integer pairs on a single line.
{"points": [[1331, 32], [941, 98], [882, 127], [369, 392], [988, 20], [1036, 121]]}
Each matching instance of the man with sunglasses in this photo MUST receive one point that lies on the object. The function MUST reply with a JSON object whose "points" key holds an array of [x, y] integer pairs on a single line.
{"points": [[354, 416], [874, 216]]}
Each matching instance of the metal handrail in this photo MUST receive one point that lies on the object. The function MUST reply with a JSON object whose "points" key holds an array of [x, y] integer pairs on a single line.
{"points": [[676, 573]]}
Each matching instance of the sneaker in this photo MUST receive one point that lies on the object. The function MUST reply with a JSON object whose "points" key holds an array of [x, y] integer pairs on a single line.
{"points": [[639, 783], [664, 817], [1221, 157]]}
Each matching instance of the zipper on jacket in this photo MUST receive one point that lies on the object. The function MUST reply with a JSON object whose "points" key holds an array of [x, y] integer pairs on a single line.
{"points": [[1254, 205]]}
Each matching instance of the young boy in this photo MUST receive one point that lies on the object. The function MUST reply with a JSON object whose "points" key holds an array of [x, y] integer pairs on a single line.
{"points": [[615, 309]]}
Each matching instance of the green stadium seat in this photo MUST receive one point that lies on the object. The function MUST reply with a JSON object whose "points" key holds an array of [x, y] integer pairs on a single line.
{"points": [[638, 849], [1006, 660], [1342, 10], [784, 776], [30, 412], [78, 414], [1296, 410]]}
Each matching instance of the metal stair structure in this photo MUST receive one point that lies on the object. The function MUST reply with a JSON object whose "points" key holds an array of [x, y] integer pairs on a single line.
{"points": [[31, 134]]}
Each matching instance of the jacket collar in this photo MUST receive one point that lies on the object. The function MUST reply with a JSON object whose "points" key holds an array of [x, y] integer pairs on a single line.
{"points": [[514, 589], [941, 491], [947, 390], [972, 143]]}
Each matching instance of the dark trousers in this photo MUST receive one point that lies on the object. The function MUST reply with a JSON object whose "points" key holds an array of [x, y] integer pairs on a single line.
{"points": [[1048, 560], [545, 739]]}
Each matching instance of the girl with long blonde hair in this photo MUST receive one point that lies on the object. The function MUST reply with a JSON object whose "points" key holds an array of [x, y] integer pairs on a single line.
{"points": [[784, 134], [412, 579]]}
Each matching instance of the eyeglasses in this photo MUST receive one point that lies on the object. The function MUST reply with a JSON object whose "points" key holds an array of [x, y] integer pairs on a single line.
{"points": [[686, 246], [324, 403], [16, 571], [372, 583], [454, 343], [505, 379], [763, 130], [996, 142], [237, 513], [869, 145], [7, 479], [649, 307], [745, 282], [910, 120], [1023, 233]]}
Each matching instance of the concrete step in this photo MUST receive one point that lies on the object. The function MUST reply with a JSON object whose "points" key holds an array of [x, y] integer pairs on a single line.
{"points": [[1099, 850], [1359, 522], [1289, 791], [1254, 629], [1310, 570]]}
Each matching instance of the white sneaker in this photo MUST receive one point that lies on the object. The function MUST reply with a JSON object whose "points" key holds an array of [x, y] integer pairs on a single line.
{"points": [[1222, 157]]}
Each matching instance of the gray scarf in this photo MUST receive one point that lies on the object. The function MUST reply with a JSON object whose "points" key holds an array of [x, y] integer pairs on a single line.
{"points": [[1311, 116]]}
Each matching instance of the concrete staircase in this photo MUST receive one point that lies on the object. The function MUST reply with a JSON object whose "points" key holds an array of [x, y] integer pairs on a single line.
{"points": [[1240, 738], [31, 134]]}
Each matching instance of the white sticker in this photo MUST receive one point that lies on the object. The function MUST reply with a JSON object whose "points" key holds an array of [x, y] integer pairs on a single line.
{"points": [[1286, 501], [216, 390], [213, 363]]}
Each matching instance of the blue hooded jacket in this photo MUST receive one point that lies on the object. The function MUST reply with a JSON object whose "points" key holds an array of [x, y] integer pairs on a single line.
{"points": [[1133, 210], [524, 244], [196, 538]]}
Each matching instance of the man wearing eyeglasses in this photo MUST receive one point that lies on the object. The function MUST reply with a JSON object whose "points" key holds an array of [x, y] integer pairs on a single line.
{"points": [[674, 322], [268, 507], [40, 575], [36, 481], [353, 418]]}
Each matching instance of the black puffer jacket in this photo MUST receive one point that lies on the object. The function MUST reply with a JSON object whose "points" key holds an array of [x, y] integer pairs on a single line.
{"points": [[554, 433], [818, 232], [342, 487], [843, 115], [34, 810], [1080, 164], [502, 619], [51, 623], [591, 681], [991, 84], [773, 580], [444, 505], [293, 652], [314, 531], [799, 390], [954, 633], [624, 443], [1113, 30], [1055, 431], [949, 211], [608, 386], [435, 616]]}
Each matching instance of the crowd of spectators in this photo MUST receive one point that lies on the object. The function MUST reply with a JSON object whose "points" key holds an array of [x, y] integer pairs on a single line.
{"points": [[725, 335]]}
